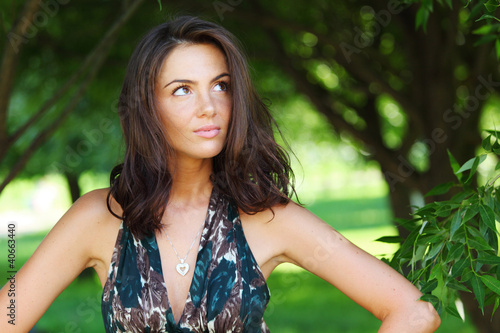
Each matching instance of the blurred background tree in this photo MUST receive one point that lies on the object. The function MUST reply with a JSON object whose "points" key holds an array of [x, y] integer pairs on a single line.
{"points": [[400, 81]]}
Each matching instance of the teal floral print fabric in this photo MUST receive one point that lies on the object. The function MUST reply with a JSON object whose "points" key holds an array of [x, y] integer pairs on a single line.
{"points": [[228, 292]]}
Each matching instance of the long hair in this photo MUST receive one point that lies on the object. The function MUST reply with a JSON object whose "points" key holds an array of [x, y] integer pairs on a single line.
{"points": [[252, 169]]}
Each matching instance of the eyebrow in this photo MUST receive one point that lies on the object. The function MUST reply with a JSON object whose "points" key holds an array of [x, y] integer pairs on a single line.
{"points": [[192, 82]]}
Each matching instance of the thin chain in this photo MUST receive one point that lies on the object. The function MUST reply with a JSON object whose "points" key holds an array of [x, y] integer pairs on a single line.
{"points": [[173, 247]]}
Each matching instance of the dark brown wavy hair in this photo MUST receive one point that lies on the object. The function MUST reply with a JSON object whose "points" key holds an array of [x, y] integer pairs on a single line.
{"points": [[252, 169]]}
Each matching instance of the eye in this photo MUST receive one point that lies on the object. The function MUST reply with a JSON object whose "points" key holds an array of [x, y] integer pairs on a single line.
{"points": [[181, 91], [221, 86]]}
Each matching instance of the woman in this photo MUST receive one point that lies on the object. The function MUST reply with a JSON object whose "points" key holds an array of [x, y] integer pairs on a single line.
{"points": [[197, 135]]}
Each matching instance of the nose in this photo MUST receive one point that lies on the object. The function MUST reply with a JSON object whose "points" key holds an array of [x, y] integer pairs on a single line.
{"points": [[206, 107]]}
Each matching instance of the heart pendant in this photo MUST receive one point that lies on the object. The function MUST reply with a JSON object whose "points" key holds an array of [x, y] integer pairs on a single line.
{"points": [[182, 268]]}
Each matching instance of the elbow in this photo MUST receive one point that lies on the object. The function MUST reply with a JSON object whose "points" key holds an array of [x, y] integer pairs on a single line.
{"points": [[434, 319], [425, 317], [414, 317]]}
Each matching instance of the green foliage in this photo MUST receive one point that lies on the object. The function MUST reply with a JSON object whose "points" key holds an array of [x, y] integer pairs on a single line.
{"points": [[453, 244], [479, 11]]}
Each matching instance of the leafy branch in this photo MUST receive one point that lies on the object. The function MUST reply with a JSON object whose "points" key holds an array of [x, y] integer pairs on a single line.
{"points": [[484, 11], [453, 244]]}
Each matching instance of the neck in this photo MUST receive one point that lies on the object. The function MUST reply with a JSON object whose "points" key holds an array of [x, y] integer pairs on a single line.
{"points": [[191, 181]]}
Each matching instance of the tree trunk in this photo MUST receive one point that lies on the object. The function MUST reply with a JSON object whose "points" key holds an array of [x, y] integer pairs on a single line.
{"points": [[481, 321], [74, 187], [96, 58], [400, 203]]}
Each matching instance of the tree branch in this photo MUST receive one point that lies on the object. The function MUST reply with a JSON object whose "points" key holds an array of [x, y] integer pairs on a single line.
{"points": [[101, 52], [12, 48], [385, 157], [88, 62], [356, 66]]}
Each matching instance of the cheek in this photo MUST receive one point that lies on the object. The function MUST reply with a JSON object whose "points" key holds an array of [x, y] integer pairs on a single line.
{"points": [[172, 116], [225, 109]]}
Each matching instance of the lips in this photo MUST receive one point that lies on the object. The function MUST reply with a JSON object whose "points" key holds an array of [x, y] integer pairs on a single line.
{"points": [[208, 131]]}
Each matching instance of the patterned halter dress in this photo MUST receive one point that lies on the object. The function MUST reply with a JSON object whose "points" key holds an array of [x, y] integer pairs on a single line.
{"points": [[228, 292]]}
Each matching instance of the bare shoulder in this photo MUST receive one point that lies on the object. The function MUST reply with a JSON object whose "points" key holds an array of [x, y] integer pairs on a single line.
{"points": [[90, 215], [270, 232], [95, 203], [283, 217], [90, 226]]}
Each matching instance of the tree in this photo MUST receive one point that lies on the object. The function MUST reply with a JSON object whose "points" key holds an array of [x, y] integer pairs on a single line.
{"points": [[19, 144], [453, 244], [406, 82], [403, 81]]}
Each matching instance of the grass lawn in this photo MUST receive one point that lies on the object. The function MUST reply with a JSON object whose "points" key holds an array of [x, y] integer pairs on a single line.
{"points": [[300, 301]]}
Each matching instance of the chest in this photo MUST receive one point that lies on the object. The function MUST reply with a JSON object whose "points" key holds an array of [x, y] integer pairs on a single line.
{"points": [[178, 267], [224, 286]]}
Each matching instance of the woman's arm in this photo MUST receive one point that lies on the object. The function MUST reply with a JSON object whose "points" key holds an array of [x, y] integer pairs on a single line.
{"points": [[304, 239], [71, 246]]}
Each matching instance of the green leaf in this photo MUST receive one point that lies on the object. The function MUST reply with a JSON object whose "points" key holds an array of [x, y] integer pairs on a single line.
{"points": [[458, 267], [492, 283], [496, 134], [485, 40], [470, 163], [453, 162], [488, 216], [428, 209], [429, 298], [456, 222], [486, 144], [475, 11], [443, 212], [486, 16], [421, 18], [478, 244], [476, 241], [455, 252], [440, 189], [390, 239], [418, 254], [470, 212], [495, 307], [435, 250], [467, 274], [429, 286], [491, 5], [453, 311], [159, 2], [496, 147], [437, 272], [478, 289], [486, 29], [457, 286], [476, 163], [489, 260]]}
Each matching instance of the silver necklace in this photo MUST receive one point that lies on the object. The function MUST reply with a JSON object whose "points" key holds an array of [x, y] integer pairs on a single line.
{"points": [[183, 267]]}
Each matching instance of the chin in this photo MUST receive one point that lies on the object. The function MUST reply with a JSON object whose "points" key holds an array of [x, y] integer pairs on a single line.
{"points": [[206, 152]]}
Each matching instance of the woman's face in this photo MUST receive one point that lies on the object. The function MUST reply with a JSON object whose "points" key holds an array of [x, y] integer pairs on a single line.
{"points": [[194, 97]]}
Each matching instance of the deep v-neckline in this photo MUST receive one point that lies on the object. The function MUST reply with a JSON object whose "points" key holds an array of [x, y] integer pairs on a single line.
{"points": [[200, 247]]}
